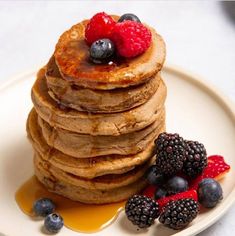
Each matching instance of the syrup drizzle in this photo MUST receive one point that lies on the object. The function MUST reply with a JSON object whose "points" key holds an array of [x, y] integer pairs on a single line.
{"points": [[77, 216]]}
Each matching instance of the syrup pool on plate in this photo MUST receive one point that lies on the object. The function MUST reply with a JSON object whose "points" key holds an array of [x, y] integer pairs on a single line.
{"points": [[77, 216]]}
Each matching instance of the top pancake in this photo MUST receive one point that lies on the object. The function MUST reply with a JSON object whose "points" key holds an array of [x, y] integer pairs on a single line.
{"points": [[72, 58]]}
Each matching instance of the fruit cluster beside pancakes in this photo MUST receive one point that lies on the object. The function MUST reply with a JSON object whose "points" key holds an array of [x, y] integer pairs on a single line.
{"points": [[96, 114]]}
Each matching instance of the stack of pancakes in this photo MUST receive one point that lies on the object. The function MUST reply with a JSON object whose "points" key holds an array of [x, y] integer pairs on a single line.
{"points": [[93, 126]]}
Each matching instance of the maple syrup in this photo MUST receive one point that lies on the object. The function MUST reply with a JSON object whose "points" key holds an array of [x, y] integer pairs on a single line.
{"points": [[77, 216]]}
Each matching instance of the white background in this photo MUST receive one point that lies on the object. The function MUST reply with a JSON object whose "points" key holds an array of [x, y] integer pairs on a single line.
{"points": [[200, 37]]}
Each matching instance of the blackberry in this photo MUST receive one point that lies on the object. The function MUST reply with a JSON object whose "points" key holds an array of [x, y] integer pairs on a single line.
{"points": [[196, 159], [142, 211], [170, 153], [178, 214]]}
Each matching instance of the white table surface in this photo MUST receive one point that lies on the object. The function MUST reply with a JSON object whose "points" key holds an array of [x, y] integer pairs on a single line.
{"points": [[200, 37]]}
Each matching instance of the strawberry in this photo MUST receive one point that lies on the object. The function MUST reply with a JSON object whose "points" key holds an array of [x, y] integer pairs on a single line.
{"points": [[149, 191], [216, 169], [188, 194]]}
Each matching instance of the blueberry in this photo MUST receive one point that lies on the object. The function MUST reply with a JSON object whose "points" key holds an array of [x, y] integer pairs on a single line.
{"points": [[101, 50], [176, 184], [209, 192], [153, 177], [160, 193], [53, 223], [43, 207], [129, 16]]}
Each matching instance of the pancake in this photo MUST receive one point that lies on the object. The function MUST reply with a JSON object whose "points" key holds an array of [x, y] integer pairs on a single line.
{"points": [[72, 58], [103, 182], [76, 193], [85, 167], [97, 101], [85, 146], [95, 124]]}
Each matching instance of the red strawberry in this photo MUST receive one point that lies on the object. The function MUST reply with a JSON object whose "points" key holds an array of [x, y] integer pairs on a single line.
{"points": [[149, 191], [100, 26], [131, 38], [188, 194], [216, 169]]}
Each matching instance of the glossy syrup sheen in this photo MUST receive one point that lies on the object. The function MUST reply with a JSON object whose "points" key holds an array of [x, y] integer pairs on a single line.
{"points": [[77, 216]]}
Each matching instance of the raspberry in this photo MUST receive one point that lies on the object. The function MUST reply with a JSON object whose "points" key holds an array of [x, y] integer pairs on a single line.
{"points": [[100, 26], [131, 38]]}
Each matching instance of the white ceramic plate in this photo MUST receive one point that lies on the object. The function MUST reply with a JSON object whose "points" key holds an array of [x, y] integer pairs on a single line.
{"points": [[194, 109]]}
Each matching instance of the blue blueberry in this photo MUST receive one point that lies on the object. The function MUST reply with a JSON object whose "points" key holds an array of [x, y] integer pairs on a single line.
{"points": [[101, 50], [209, 192], [129, 16], [153, 177], [160, 193], [53, 223], [176, 184], [43, 207]]}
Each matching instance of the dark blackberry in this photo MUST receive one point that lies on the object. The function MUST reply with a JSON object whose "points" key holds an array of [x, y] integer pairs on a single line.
{"points": [[142, 211], [196, 159], [170, 153], [178, 214]]}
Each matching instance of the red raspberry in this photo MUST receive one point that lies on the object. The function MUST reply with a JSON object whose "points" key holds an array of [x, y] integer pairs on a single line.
{"points": [[100, 26], [131, 38]]}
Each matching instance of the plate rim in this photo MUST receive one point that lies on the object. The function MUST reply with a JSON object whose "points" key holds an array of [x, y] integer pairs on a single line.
{"points": [[208, 87]]}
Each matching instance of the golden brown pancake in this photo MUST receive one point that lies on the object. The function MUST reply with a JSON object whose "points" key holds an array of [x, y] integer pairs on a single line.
{"points": [[103, 182], [72, 58], [97, 101], [85, 146], [76, 193], [96, 124], [85, 167]]}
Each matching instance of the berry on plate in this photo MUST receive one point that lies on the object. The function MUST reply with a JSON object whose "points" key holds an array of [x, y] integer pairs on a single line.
{"points": [[131, 38], [176, 184], [170, 153], [101, 50], [53, 223], [178, 214], [196, 159], [43, 207], [209, 192], [100, 26], [215, 169], [153, 177], [160, 193], [188, 194], [142, 211], [129, 16]]}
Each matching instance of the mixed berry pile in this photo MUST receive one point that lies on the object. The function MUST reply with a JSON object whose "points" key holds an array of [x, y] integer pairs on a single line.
{"points": [[127, 37], [182, 180]]}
